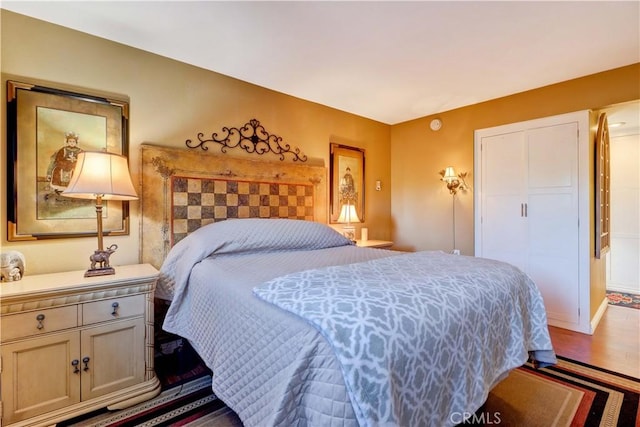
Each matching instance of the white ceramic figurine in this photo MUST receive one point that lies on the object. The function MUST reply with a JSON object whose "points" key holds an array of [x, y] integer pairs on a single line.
{"points": [[12, 265]]}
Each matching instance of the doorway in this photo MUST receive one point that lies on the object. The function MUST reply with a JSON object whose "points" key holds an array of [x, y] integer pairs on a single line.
{"points": [[623, 259]]}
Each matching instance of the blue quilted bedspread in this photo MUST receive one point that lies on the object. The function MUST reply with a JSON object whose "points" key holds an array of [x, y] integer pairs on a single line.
{"points": [[421, 337]]}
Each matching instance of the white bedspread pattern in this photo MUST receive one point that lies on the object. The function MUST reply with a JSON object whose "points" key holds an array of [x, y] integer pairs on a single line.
{"points": [[420, 338]]}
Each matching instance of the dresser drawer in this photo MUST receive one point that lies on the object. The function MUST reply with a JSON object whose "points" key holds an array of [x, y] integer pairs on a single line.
{"points": [[114, 308], [38, 322]]}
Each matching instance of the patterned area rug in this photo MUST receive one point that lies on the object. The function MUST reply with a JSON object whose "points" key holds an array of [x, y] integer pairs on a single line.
{"points": [[568, 394], [623, 299], [190, 404]]}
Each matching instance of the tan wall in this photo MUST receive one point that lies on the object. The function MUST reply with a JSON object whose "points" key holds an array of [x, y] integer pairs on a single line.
{"points": [[421, 204], [171, 102]]}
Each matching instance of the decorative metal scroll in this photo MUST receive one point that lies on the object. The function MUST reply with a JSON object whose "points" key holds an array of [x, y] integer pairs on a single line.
{"points": [[252, 138]]}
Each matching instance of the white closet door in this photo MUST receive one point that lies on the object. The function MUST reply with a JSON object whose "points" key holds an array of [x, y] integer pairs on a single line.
{"points": [[503, 227], [533, 210], [552, 218]]}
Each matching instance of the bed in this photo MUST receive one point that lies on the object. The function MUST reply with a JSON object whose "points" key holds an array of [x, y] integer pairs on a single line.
{"points": [[301, 327]]}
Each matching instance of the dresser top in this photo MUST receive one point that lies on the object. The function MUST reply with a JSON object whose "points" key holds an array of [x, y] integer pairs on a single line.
{"points": [[59, 282]]}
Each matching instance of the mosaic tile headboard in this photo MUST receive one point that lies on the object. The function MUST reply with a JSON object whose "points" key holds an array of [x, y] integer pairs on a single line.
{"points": [[183, 190]]}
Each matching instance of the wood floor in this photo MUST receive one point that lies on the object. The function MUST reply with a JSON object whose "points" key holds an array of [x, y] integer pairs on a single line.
{"points": [[615, 345]]}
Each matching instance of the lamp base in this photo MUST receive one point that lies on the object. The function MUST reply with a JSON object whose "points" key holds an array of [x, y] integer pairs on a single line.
{"points": [[101, 258], [349, 231], [101, 271]]}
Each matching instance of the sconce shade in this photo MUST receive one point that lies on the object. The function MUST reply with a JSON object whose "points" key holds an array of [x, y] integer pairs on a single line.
{"points": [[103, 174], [449, 174], [348, 214]]}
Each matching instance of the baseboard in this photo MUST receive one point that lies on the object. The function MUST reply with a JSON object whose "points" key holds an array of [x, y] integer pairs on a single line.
{"points": [[599, 313], [623, 289]]}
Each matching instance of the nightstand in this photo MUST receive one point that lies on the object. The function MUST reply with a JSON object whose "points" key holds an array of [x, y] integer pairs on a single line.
{"points": [[374, 243], [73, 344]]}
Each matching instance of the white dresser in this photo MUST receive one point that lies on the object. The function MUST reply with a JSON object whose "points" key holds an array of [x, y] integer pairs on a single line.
{"points": [[71, 345]]}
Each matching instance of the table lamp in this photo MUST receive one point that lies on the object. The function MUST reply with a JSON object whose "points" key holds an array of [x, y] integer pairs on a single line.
{"points": [[347, 216], [101, 176]]}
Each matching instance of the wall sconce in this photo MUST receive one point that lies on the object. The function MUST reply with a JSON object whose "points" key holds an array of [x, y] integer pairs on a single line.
{"points": [[348, 215], [454, 182], [101, 176]]}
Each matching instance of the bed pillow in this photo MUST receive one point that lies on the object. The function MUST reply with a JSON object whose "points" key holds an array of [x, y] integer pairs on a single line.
{"points": [[266, 234], [270, 234], [243, 236]]}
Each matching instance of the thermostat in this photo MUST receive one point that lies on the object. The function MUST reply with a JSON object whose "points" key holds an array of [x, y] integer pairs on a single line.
{"points": [[435, 124]]}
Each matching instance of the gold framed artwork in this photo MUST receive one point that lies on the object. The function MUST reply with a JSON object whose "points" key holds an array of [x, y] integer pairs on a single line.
{"points": [[347, 181], [46, 130]]}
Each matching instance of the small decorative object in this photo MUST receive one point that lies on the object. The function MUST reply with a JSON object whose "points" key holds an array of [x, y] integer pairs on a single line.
{"points": [[252, 138], [102, 257], [101, 176], [12, 265]]}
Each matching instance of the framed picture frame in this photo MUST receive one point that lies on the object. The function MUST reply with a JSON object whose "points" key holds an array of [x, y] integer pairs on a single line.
{"points": [[46, 129], [347, 180]]}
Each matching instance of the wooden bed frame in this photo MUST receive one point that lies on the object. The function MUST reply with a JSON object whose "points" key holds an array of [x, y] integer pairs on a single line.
{"points": [[183, 189]]}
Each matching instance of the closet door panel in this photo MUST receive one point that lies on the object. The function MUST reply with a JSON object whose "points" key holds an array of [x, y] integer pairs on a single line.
{"points": [[496, 244], [553, 253], [552, 220], [552, 157], [561, 302], [503, 162], [502, 204], [552, 226]]}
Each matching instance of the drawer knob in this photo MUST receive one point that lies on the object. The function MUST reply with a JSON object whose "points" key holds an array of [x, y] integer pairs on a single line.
{"points": [[115, 307], [85, 360], [40, 319], [75, 363]]}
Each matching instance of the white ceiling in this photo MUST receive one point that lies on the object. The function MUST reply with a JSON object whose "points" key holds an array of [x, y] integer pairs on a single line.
{"points": [[389, 61]]}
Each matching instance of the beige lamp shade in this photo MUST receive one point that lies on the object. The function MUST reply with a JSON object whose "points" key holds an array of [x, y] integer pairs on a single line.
{"points": [[449, 174], [348, 214], [98, 173]]}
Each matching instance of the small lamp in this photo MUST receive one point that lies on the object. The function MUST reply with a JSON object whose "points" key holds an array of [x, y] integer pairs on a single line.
{"points": [[101, 176], [454, 182], [348, 215]]}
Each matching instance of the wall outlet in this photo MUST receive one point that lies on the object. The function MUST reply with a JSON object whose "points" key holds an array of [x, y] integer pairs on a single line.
{"points": [[456, 252]]}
